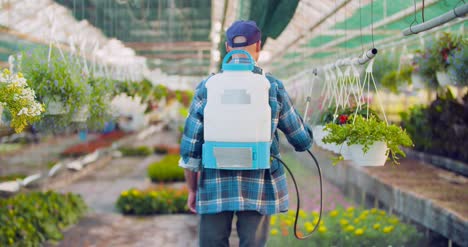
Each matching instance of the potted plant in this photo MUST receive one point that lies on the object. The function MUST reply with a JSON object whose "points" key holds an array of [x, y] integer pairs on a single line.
{"points": [[18, 100], [424, 67], [145, 90], [341, 117], [100, 108], [159, 92], [371, 141], [58, 83], [458, 64], [440, 51], [318, 130], [417, 80], [129, 88]]}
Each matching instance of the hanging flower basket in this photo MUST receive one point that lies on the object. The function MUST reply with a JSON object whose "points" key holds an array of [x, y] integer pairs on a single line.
{"points": [[443, 78], [81, 115], [18, 99], [375, 156], [370, 140]]}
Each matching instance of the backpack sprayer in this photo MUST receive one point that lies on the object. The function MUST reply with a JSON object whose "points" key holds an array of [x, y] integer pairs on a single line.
{"points": [[237, 123]]}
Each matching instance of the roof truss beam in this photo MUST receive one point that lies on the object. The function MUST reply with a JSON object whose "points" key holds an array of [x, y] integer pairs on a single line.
{"points": [[170, 46], [395, 17]]}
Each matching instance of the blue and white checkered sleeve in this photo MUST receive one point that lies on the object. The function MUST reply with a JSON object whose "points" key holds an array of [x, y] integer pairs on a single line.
{"points": [[192, 139], [290, 122]]}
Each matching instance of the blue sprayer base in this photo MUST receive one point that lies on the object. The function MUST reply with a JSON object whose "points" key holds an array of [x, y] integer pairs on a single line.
{"points": [[240, 155]]}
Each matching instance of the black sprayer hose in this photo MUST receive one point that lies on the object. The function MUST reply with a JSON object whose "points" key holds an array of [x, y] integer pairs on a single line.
{"points": [[298, 197]]}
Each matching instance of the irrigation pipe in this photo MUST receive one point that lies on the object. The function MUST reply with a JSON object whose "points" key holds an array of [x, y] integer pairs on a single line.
{"points": [[440, 20]]}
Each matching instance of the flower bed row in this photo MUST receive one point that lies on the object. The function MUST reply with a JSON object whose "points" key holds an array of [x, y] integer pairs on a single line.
{"points": [[166, 170], [11, 177], [145, 151], [136, 151], [32, 218], [103, 141], [162, 200], [344, 227]]}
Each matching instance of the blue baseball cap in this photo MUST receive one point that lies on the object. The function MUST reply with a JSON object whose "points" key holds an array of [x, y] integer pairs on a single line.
{"points": [[247, 29]]}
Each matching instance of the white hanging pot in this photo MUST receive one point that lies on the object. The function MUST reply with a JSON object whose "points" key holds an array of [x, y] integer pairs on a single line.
{"points": [[443, 78], [335, 148], [375, 156], [324, 133], [417, 81], [81, 115], [318, 135], [55, 107], [345, 151]]}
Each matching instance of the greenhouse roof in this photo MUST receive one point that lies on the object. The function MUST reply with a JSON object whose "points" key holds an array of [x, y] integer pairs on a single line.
{"points": [[185, 37]]}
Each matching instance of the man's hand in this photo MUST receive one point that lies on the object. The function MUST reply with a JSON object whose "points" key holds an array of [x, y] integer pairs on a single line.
{"points": [[191, 201], [192, 180]]}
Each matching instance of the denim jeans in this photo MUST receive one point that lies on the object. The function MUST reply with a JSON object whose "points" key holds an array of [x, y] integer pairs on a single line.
{"points": [[252, 228]]}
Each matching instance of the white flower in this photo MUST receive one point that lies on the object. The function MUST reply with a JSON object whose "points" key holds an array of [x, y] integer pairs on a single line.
{"points": [[21, 82], [23, 111]]}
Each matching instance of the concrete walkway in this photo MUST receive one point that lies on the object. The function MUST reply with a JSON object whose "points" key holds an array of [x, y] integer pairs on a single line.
{"points": [[103, 226], [32, 158]]}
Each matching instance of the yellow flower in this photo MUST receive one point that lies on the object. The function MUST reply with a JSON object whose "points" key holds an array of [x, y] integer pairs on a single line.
{"points": [[333, 213], [273, 220], [20, 75], [361, 219], [274, 231], [309, 228], [359, 232], [322, 229], [394, 220], [316, 220], [153, 194], [388, 229], [291, 213], [288, 222], [135, 192], [315, 214], [374, 210], [356, 221], [302, 214], [350, 209], [349, 228], [376, 226], [343, 222], [308, 224], [381, 212]]}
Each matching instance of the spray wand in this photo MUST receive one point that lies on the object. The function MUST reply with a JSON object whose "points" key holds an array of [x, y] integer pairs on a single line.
{"points": [[294, 180]]}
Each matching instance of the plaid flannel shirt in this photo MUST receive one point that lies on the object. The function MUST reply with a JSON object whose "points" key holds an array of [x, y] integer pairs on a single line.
{"points": [[263, 190]]}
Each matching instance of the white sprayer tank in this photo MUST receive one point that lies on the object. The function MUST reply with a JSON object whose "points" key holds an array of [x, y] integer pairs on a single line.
{"points": [[237, 118]]}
